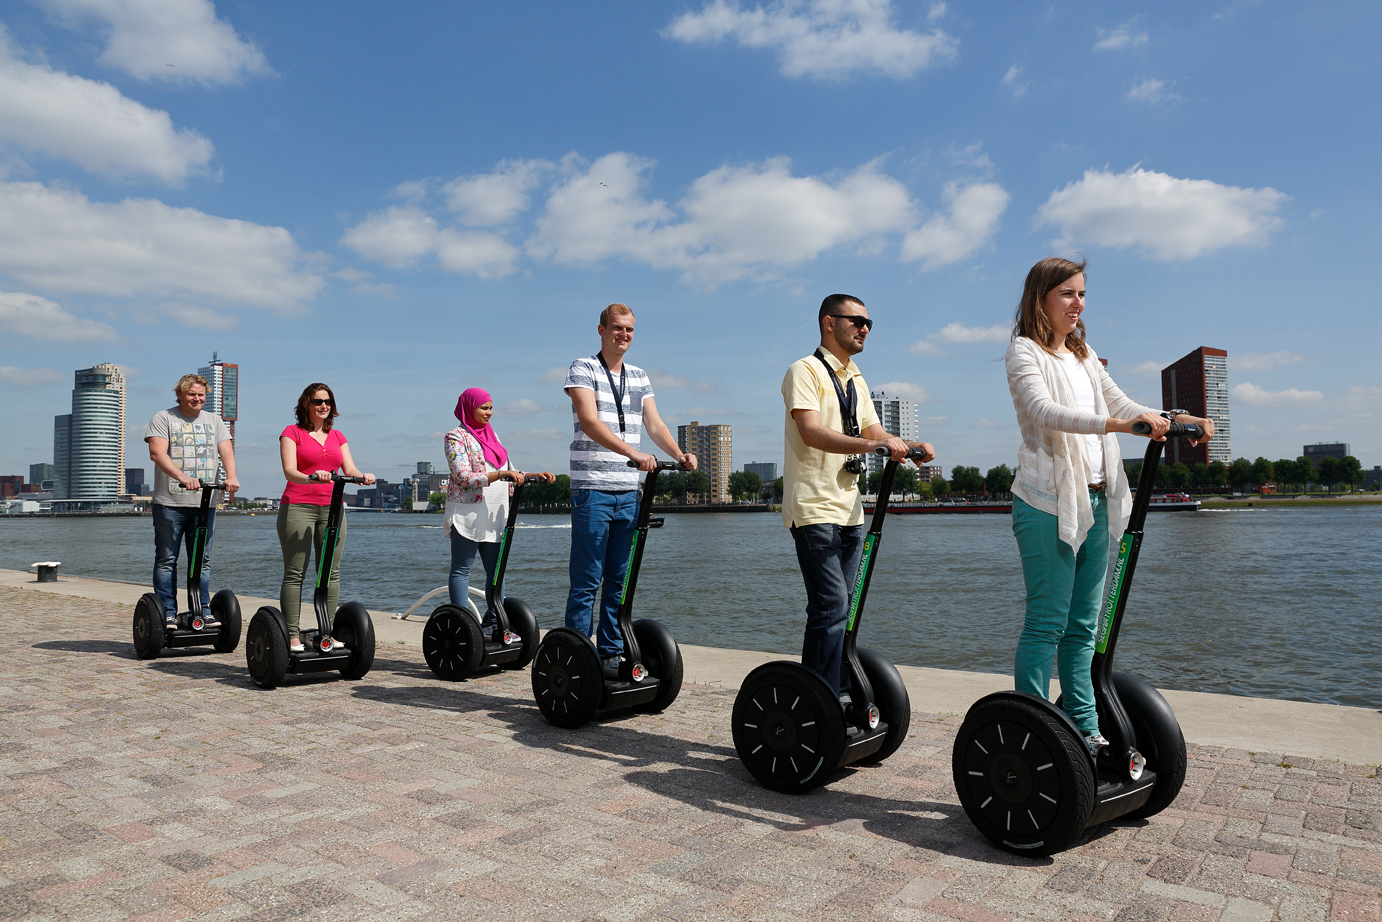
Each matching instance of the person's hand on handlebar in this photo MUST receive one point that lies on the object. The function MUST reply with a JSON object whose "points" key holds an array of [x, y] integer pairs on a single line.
{"points": [[232, 485], [643, 461], [1158, 423], [547, 476], [895, 446], [190, 484], [369, 479], [927, 447], [688, 461], [1206, 424], [320, 476]]}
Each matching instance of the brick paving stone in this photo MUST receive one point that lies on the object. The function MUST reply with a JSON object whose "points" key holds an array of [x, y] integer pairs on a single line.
{"points": [[174, 790]]}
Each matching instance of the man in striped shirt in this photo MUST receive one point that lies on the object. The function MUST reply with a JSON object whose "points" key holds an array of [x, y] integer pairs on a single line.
{"points": [[611, 405]]}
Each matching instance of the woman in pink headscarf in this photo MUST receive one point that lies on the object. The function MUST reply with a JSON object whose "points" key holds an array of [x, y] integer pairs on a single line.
{"points": [[477, 496]]}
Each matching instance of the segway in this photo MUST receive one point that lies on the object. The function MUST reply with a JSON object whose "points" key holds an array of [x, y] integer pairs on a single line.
{"points": [[220, 628], [453, 642], [791, 730], [1021, 768], [569, 682], [347, 644]]}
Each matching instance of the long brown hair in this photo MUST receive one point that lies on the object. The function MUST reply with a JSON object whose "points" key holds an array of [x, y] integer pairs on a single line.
{"points": [[304, 407], [1031, 321]]}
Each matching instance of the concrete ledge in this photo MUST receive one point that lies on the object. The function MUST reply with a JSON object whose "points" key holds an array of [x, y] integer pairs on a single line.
{"points": [[1316, 731]]}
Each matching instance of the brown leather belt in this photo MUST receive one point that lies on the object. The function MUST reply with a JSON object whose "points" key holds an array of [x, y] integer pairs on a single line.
{"points": [[1097, 487]]}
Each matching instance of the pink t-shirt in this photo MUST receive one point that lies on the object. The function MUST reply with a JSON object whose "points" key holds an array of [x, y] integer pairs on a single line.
{"points": [[313, 456]]}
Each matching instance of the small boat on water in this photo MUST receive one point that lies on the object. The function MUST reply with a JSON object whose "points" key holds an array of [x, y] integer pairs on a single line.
{"points": [[1173, 502], [963, 507]]}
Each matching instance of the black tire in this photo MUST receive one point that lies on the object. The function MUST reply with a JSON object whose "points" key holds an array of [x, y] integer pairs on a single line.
{"points": [[567, 680], [522, 622], [1022, 776], [1159, 739], [266, 648], [353, 627], [225, 608], [662, 656], [789, 729], [452, 643], [890, 694], [148, 626]]}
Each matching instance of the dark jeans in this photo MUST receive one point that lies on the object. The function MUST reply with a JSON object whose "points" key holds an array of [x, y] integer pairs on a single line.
{"points": [[174, 525], [602, 527], [829, 558]]}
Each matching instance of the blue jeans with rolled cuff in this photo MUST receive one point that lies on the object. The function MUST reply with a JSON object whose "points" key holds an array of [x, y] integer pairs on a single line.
{"points": [[602, 529], [462, 556], [174, 526], [829, 559]]}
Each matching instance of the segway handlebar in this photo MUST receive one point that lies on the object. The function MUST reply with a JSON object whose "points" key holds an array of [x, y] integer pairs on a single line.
{"points": [[913, 454], [337, 478], [661, 465], [1177, 430], [208, 485], [527, 478]]}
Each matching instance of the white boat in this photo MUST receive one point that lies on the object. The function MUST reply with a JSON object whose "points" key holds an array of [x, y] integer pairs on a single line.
{"points": [[1173, 502]]}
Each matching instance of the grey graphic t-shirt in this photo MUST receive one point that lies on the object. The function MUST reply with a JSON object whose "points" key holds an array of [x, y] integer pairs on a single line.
{"points": [[192, 445]]}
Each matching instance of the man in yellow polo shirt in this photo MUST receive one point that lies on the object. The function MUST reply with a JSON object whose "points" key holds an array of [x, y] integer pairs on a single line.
{"points": [[831, 424]]}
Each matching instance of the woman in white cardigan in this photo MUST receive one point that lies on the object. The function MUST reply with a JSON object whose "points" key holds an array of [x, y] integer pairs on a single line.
{"points": [[1069, 493]]}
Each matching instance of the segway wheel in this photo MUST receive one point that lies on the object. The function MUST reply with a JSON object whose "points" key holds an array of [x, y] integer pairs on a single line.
{"points": [[662, 656], [522, 622], [789, 729], [354, 628], [1023, 776], [890, 694], [567, 679], [266, 648], [225, 608], [1159, 739], [452, 643], [148, 626]]}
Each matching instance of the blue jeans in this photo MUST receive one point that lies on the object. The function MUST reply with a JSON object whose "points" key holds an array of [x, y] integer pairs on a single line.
{"points": [[462, 556], [829, 558], [1065, 590], [602, 527], [172, 526]]}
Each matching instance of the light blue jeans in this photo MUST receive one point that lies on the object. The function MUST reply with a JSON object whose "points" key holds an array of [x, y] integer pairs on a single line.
{"points": [[602, 528], [1065, 590], [462, 556], [174, 525]]}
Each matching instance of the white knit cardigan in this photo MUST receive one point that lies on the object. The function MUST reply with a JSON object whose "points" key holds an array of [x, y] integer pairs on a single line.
{"points": [[1052, 464]]}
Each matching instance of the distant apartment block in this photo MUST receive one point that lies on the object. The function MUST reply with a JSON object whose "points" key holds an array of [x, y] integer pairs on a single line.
{"points": [[766, 470], [89, 442], [41, 476], [134, 481], [223, 391], [929, 472], [11, 485], [1198, 384], [898, 417], [1321, 450], [712, 446]]}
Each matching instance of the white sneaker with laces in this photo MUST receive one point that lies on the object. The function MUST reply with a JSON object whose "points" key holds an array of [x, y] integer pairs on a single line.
{"points": [[1095, 743]]}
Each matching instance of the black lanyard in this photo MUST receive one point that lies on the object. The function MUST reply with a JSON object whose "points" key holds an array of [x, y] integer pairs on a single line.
{"points": [[619, 394], [847, 405]]}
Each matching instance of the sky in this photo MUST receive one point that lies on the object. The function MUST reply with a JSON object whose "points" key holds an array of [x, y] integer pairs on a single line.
{"points": [[404, 200]]}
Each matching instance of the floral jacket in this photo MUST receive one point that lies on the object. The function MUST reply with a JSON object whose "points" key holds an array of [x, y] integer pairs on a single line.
{"points": [[467, 461]]}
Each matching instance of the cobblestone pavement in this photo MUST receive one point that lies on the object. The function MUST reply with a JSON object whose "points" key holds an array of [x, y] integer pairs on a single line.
{"points": [[173, 789]]}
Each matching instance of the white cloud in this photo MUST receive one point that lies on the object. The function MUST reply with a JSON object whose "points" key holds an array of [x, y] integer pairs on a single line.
{"points": [[38, 318], [487, 255], [975, 211], [146, 36], [27, 377], [1152, 91], [1147, 369], [554, 375], [494, 198], [521, 408], [91, 124], [937, 11], [984, 423], [1255, 396], [1164, 217], [1014, 82], [400, 235], [55, 239], [1264, 361], [1125, 36], [925, 347], [959, 333], [827, 39], [907, 391], [201, 318]]}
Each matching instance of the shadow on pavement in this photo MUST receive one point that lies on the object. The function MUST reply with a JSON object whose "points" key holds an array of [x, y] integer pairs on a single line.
{"points": [[107, 647]]}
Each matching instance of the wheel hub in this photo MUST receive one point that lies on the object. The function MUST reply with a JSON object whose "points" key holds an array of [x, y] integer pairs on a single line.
{"points": [[1011, 778], [780, 731]]}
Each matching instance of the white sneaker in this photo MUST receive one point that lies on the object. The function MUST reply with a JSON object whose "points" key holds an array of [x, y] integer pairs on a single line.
{"points": [[295, 646], [1095, 743]]}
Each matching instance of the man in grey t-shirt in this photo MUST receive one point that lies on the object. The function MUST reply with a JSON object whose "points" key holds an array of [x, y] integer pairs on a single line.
{"points": [[611, 406], [187, 446]]}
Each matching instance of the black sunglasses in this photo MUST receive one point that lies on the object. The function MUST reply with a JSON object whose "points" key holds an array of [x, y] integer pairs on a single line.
{"points": [[320, 402], [855, 319]]}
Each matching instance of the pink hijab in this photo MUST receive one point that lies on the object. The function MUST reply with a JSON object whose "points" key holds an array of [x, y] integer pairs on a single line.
{"points": [[471, 398]]}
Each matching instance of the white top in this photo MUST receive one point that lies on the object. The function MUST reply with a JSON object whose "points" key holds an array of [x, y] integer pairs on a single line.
{"points": [[1053, 471], [481, 522], [1084, 399]]}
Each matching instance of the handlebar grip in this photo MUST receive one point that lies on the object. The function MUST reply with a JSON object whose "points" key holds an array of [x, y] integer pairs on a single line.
{"points": [[1177, 430], [913, 454], [661, 465], [214, 486], [335, 477]]}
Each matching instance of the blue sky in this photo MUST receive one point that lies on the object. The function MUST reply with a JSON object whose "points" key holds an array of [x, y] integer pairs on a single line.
{"points": [[404, 200]]}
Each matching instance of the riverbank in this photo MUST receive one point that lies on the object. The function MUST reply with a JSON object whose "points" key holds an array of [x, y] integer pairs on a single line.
{"points": [[1290, 502]]}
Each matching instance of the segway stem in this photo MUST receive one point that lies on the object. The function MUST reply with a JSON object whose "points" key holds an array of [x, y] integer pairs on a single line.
{"points": [[195, 565], [493, 586], [327, 555], [632, 658]]}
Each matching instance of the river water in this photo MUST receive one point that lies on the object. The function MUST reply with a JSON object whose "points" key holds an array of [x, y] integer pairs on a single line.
{"points": [[1275, 603]]}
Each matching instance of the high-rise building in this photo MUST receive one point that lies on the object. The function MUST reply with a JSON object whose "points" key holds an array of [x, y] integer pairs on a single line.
{"points": [[766, 470], [11, 485], [1321, 450], [712, 447], [89, 442], [223, 390], [134, 480], [898, 417], [41, 474], [1198, 384]]}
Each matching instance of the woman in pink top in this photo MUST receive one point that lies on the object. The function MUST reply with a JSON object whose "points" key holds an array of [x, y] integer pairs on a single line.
{"points": [[310, 450]]}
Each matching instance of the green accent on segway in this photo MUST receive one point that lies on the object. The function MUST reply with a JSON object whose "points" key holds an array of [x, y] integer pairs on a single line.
{"points": [[628, 568], [197, 545], [503, 548], [1115, 590], [327, 552], [870, 542]]}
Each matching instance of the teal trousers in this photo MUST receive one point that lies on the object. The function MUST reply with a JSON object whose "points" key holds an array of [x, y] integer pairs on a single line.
{"points": [[1065, 589]]}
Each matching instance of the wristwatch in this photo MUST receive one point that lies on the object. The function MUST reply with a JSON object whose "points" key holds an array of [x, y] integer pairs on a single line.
{"points": [[1172, 414]]}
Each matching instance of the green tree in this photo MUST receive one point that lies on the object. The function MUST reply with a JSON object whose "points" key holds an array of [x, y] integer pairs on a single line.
{"points": [[1351, 472], [1329, 473], [697, 484], [777, 490], [939, 487], [744, 483], [408, 502], [1305, 472], [436, 500], [1134, 471], [966, 479], [1218, 473], [1175, 476], [1199, 474], [905, 480], [1284, 471], [1240, 474], [999, 479]]}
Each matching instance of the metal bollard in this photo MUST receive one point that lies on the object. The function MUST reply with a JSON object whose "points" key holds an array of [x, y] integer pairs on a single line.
{"points": [[47, 570]]}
